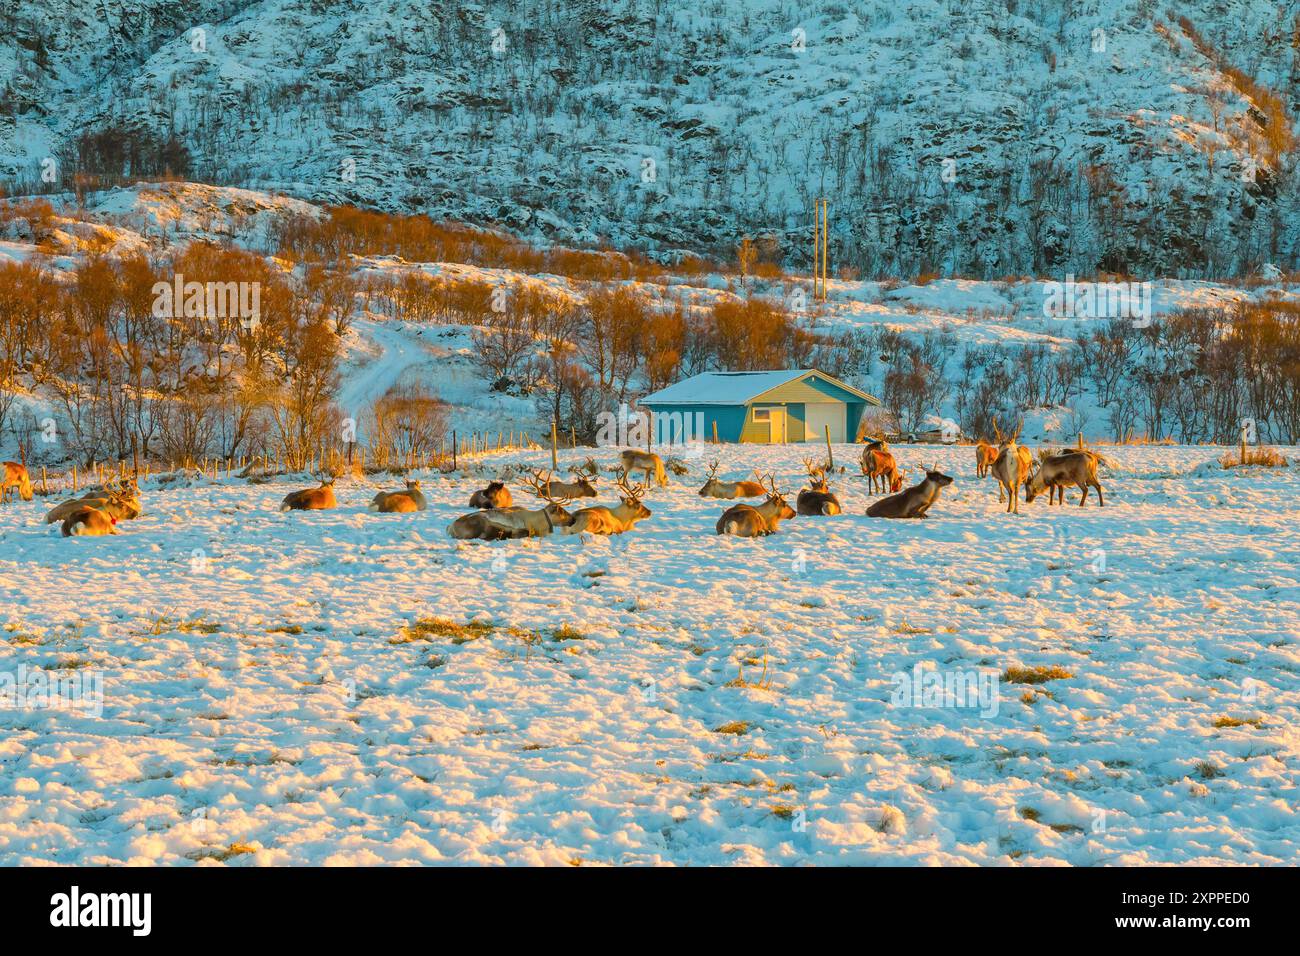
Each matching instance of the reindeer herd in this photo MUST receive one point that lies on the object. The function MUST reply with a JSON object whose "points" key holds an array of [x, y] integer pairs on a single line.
{"points": [[98, 510]]}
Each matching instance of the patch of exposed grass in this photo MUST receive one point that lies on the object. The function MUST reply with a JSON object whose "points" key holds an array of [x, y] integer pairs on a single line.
{"points": [[1207, 771], [221, 856], [1227, 722], [1030, 814], [285, 629], [1035, 675], [906, 628], [429, 628], [567, 632], [1262, 457], [783, 810], [71, 664], [737, 727], [165, 622], [763, 683]]}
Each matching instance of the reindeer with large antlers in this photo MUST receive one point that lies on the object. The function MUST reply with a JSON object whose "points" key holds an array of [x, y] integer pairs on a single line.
{"points": [[916, 501], [616, 519], [584, 487], [729, 489], [496, 524], [752, 521], [1011, 467], [120, 500], [818, 499]]}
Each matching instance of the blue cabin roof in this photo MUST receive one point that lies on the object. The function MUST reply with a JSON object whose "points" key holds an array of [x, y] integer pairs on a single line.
{"points": [[741, 388]]}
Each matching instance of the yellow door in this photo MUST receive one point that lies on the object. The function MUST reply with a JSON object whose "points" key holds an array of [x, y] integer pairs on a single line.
{"points": [[776, 432]]}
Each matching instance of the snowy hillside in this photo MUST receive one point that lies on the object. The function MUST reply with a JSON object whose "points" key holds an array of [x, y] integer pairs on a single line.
{"points": [[975, 137]]}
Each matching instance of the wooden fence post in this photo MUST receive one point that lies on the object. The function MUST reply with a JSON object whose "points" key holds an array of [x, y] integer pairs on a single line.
{"points": [[555, 459], [830, 455]]}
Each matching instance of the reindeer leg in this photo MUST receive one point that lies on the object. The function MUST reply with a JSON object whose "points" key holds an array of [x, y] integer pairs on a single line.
{"points": [[1101, 502], [1084, 489]]}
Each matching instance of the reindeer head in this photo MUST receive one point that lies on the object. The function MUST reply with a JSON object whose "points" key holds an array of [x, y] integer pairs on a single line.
{"points": [[631, 495], [775, 498], [412, 484], [816, 475], [711, 481], [541, 487], [932, 473]]}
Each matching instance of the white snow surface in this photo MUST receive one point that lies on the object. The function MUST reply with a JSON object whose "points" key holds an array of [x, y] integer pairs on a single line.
{"points": [[257, 709]]}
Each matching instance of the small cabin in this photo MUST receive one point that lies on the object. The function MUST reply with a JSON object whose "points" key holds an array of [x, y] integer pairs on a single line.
{"points": [[760, 407]]}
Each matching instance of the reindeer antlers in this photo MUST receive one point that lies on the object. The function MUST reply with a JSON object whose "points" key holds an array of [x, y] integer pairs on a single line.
{"points": [[713, 470], [632, 492], [541, 487]]}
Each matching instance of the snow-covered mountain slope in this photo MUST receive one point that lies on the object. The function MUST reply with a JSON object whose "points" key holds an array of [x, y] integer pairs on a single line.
{"points": [[983, 137]]}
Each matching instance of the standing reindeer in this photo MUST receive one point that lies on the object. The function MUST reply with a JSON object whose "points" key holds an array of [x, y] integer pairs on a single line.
{"points": [[1011, 469], [817, 499], [985, 456], [729, 489], [617, 519], [15, 477], [878, 464], [1078, 468], [646, 462], [752, 521]]}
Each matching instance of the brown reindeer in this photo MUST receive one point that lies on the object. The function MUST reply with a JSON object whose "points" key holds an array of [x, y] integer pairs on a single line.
{"points": [[17, 479], [1078, 468], [915, 502], [89, 522], [584, 487], [646, 462], [495, 495], [1011, 469], [752, 521], [729, 489], [311, 499], [497, 524], [879, 464], [118, 502], [817, 499], [621, 517], [412, 499], [985, 456]]}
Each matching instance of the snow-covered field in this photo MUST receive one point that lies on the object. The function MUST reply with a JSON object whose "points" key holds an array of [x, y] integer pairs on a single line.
{"points": [[264, 703]]}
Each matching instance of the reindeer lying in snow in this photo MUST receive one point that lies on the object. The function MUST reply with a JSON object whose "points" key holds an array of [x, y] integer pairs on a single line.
{"points": [[584, 487], [499, 524], [915, 501], [412, 499], [1078, 468], [311, 499], [752, 521], [120, 503], [818, 499], [495, 495], [729, 489], [88, 521], [617, 519]]}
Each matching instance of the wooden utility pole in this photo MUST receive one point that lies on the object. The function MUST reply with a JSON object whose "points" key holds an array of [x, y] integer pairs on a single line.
{"points": [[821, 248]]}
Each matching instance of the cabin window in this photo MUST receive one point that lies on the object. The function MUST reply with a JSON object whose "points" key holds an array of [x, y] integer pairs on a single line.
{"points": [[762, 414]]}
